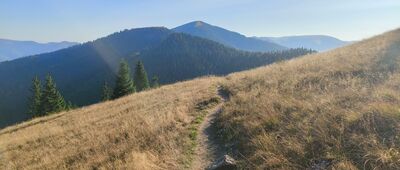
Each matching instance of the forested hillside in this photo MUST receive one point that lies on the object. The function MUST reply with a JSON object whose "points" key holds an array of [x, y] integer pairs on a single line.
{"points": [[183, 56], [80, 71]]}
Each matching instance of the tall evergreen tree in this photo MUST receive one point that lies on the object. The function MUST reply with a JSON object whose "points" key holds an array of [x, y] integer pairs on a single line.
{"points": [[106, 93], [155, 82], [51, 100], [34, 106], [124, 84], [140, 78]]}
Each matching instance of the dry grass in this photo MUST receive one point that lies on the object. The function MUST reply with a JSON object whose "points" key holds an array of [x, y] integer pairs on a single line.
{"points": [[341, 107], [149, 130]]}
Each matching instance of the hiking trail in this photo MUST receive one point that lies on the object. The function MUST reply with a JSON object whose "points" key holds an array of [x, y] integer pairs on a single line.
{"points": [[208, 149]]}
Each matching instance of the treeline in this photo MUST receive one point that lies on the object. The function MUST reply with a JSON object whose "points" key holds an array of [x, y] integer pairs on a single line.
{"points": [[125, 85], [182, 57], [46, 99]]}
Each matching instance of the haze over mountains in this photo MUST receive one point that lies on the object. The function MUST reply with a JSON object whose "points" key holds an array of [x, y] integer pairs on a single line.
{"points": [[80, 71], [316, 42], [13, 49]]}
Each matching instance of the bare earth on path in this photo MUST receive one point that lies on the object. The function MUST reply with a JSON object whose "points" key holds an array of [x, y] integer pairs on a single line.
{"points": [[208, 149]]}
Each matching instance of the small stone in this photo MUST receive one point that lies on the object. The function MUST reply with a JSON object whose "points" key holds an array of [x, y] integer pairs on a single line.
{"points": [[224, 163]]}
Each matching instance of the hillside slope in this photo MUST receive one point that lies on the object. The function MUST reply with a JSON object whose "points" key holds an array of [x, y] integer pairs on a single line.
{"points": [[333, 110], [149, 130], [226, 37], [12, 49]]}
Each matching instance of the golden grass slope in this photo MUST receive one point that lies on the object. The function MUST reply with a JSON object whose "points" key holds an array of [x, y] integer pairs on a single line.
{"points": [[148, 130], [337, 110]]}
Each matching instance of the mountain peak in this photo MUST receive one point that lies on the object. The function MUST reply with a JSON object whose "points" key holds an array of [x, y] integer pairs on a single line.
{"points": [[195, 24], [226, 37], [199, 23]]}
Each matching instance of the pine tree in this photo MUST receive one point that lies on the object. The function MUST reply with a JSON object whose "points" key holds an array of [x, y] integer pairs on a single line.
{"points": [[154, 82], [124, 84], [141, 80], [34, 106], [51, 100], [106, 94]]}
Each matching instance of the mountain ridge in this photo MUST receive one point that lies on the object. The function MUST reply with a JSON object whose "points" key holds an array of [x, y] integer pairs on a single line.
{"points": [[316, 42], [227, 37], [13, 49]]}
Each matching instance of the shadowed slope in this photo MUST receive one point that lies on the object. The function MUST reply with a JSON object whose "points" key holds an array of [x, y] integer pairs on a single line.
{"points": [[182, 57], [78, 71]]}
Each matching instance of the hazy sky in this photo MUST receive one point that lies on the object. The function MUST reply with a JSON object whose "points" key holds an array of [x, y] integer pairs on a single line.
{"points": [[84, 20]]}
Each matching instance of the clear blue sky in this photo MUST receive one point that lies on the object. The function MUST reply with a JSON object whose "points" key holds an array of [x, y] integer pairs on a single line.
{"points": [[84, 20]]}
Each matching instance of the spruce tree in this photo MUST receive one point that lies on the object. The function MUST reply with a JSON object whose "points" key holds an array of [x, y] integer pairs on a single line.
{"points": [[124, 84], [51, 100], [106, 93], [154, 82], [34, 106], [141, 80]]}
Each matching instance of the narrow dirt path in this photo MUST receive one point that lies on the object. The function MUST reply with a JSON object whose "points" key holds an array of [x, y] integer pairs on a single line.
{"points": [[208, 149]]}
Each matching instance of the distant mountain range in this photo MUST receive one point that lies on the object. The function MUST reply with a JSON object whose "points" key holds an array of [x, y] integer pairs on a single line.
{"points": [[80, 70], [13, 49], [228, 38], [316, 42], [191, 50]]}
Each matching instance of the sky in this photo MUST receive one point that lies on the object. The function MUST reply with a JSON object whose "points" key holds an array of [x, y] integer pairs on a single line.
{"points": [[86, 20]]}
